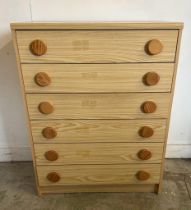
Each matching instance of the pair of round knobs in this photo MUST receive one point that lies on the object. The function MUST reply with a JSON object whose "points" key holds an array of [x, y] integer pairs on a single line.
{"points": [[152, 47], [51, 133], [143, 154], [42, 79], [146, 107], [55, 177]]}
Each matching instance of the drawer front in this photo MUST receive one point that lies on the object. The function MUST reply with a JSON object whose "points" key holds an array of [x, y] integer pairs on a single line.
{"points": [[98, 174], [67, 78], [98, 106], [78, 131], [96, 46], [97, 153]]}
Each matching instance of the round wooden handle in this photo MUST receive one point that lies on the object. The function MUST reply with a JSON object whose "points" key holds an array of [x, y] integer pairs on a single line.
{"points": [[148, 107], [45, 108], [151, 78], [51, 155], [144, 154], [38, 47], [42, 79], [49, 133], [142, 175], [153, 47], [53, 177], [146, 132]]}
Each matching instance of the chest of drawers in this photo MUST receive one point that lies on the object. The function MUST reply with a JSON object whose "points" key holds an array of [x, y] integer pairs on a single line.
{"points": [[98, 98]]}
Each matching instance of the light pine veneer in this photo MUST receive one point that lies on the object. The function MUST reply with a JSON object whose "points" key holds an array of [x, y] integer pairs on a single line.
{"points": [[98, 98]]}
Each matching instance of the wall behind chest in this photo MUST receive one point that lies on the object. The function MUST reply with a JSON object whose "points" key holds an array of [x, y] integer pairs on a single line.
{"points": [[13, 132]]}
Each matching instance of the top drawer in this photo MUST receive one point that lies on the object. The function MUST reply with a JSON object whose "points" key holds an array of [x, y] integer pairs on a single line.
{"points": [[97, 46]]}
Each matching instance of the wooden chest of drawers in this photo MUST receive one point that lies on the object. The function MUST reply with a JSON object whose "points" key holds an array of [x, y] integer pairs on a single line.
{"points": [[98, 98]]}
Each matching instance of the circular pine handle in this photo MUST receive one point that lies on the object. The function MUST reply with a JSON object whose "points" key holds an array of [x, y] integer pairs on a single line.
{"points": [[142, 175], [153, 47], [45, 108], [38, 47], [51, 155], [146, 132], [149, 107], [42, 79], [144, 154], [151, 78], [49, 133], [53, 177]]}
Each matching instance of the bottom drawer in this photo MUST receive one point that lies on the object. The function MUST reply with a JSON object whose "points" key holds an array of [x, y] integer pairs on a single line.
{"points": [[98, 174]]}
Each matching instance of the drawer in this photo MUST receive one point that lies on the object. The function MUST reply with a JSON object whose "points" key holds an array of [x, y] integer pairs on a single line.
{"points": [[96, 46], [98, 174], [98, 153], [84, 78], [79, 131], [98, 106]]}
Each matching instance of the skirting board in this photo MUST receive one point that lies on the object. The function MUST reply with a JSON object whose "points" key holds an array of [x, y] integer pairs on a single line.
{"points": [[178, 151], [15, 154], [24, 153]]}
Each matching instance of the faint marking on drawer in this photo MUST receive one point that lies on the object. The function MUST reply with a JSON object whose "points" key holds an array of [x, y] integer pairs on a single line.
{"points": [[92, 75], [89, 103], [80, 45], [84, 153]]}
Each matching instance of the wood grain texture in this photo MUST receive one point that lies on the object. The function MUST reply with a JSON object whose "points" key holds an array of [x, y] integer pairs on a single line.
{"points": [[45, 107], [151, 78], [98, 106], [97, 46], [42, 79], [149, 107], [143, 175], [98, 153], [78, 131], [53, 177], [37, 47], [51, 155], [23, 95], [98, 174], [154, 47], [79, 25], [146, 132], [169, 109], [144, 154], [48, 132], [98, 77], [99, 188]]}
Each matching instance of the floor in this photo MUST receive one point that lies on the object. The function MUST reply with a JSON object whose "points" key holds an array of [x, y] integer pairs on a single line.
{"points": [[17, 192]]}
